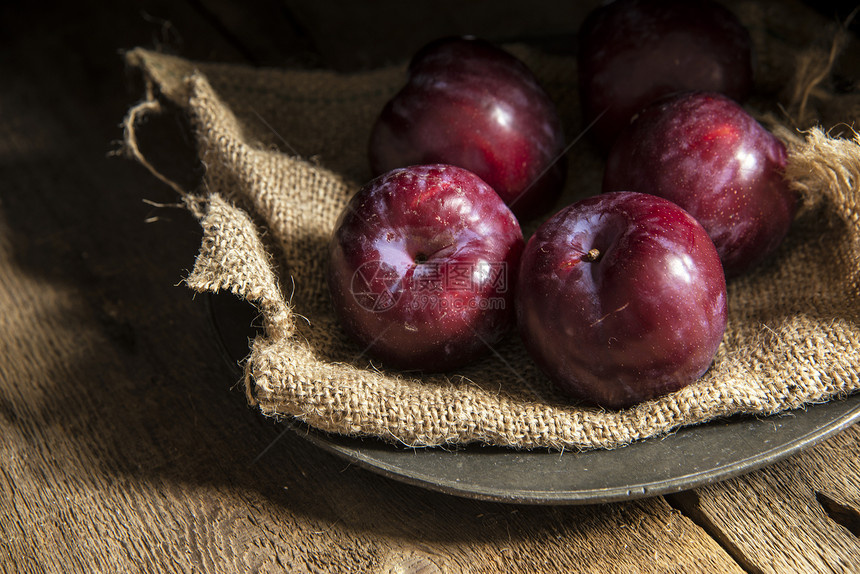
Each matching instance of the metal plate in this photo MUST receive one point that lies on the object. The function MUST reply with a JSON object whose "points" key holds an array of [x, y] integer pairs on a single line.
{"points": [[688, 458]]}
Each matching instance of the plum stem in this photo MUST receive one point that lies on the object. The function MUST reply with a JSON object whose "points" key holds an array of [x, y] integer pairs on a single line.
{"points": [[592, 256]]}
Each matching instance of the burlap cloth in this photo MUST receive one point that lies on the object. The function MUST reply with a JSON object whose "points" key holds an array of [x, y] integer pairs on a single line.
{"points": [[285, 149]]}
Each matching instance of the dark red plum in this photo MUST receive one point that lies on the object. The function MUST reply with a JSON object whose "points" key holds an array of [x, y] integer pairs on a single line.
{"points": [[704, 152], [621, 298], [421, 267], [632, 52], [469, 103]]}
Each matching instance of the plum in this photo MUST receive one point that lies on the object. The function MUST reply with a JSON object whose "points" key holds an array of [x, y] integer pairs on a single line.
{"points": [[632, 52], [469, 103], [621, 298], [704, 152], [421, 268]]}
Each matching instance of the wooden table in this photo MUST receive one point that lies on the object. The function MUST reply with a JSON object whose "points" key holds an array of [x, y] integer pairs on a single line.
{"points": [[126, 444]]}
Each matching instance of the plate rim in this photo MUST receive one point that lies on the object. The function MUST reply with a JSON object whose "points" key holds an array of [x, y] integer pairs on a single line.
{"points": [[337, 445]]}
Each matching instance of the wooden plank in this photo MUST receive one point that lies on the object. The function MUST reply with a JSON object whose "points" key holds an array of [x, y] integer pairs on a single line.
{"points": [[800, 515]]}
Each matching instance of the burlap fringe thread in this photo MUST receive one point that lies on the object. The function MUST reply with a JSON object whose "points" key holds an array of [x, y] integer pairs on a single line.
{"points": [[793, 336]]}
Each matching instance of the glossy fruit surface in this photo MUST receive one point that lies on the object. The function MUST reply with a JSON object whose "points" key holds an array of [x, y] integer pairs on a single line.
{"points": [[421, 267], [632, 52], [469, 103], [704, 152], [621, 298]]}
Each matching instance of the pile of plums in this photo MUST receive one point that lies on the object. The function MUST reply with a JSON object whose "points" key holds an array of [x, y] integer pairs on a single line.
{"points": [[619, 297]]}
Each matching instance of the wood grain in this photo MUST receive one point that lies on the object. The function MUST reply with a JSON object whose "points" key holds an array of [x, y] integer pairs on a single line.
{"points": [[774, 520], [125, 443]]}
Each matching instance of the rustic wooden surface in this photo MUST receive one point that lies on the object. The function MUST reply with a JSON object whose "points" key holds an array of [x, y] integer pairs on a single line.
{"points": [[125, 444]]}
